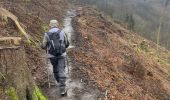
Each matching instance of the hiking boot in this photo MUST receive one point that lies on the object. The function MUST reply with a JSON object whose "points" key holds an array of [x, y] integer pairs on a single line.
{"points": [[63, 91]]}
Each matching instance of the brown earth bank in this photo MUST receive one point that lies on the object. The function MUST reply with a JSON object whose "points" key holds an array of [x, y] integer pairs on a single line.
{"points": [[34, 16], [118, 61]]}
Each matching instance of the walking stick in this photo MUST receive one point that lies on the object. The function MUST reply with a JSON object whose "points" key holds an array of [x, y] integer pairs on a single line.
{"points": [[49, 84], [67, 63], [67, 60]]}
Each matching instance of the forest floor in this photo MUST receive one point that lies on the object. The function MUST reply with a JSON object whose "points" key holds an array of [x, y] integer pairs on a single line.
{"points": [[110, 62], [118, 62]]}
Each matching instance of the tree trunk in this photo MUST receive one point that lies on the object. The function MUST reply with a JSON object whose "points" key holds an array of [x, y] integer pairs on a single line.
{"points": [[15, 78]]}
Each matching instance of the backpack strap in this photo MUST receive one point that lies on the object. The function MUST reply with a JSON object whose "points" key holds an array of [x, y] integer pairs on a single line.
{"points": [[66, 41], [47, 34], [49, 42]]}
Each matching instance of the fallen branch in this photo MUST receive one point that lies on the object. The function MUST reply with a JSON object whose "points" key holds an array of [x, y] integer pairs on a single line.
{"points": [[6, 13], [2, 75], [106, 93]]}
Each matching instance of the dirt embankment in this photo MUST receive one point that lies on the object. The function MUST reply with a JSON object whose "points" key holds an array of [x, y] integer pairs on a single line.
{"points": [[34, 16], [117, 61]]}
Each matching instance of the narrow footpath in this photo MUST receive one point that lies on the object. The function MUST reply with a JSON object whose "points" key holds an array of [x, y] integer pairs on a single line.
{"points": [[52, 91]]}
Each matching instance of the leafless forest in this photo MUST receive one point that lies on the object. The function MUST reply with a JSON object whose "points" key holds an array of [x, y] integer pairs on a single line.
{"points": [[141, 16]]}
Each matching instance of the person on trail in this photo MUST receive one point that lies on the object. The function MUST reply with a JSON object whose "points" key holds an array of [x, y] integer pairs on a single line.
{"points": [[55, 42]]}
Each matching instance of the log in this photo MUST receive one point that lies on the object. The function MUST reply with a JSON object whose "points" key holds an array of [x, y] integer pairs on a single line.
{"points": [[10, 41], [6, 13]]}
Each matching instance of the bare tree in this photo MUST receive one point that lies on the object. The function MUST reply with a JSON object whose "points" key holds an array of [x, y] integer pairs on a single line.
{"points": [[161, 22]]}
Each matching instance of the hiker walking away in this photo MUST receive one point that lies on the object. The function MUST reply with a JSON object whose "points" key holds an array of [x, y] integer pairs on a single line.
{"points": [[55, 42]]}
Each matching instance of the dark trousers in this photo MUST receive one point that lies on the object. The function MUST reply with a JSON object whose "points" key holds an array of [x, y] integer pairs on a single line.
{"points": [[59, 70]]}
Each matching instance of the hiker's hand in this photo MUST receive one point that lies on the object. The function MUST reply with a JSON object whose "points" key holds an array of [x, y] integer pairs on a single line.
{"points": [[42, 47]]}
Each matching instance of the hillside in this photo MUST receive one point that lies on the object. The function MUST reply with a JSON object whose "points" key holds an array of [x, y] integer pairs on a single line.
{"points": [[23, 66], [145, 15], [34, 17], [122, 63], [107, 61]]}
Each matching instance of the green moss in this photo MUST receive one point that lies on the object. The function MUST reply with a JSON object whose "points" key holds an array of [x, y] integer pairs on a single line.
{"points": [[45, 28], [38, 94], [2, 75], [4, 19], [11, 92], [144, 46]]}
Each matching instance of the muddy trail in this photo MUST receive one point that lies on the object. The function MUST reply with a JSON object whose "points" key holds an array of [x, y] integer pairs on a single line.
{"points": [[76, 89]]}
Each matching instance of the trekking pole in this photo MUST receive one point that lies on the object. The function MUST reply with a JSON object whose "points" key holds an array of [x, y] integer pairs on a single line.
{"points": [[67, 60], [67, 63], [49, 84], [48, 75]]}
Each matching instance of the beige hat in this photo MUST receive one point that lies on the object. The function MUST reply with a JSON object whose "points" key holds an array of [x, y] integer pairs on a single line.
{"points": [[53, 23]]}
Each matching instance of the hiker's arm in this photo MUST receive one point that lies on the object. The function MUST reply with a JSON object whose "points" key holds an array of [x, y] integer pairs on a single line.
{"points": [[44, 43], [66, 40]]}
